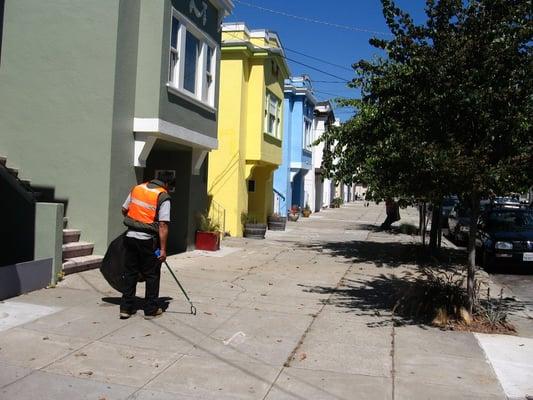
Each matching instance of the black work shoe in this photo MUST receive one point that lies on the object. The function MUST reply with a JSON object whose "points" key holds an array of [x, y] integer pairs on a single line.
{"points": [[124, 314], [154, 315]]}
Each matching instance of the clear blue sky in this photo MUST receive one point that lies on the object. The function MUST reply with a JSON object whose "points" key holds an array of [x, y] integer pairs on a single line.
{"points": [[335, 45]]}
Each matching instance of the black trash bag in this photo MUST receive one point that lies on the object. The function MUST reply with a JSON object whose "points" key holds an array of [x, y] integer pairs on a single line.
{"points": [[112, 267]]}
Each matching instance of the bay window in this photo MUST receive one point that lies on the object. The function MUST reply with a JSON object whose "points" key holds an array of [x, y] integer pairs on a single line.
{"points": [[273, 115], [192, 61], [307, 138]]}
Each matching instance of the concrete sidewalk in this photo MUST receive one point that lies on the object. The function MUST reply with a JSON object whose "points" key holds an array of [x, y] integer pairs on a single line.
{"points": [[300, 315]]}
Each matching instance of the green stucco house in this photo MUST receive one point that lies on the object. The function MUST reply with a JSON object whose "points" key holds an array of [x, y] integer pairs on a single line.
{"points": [[96, 96]]}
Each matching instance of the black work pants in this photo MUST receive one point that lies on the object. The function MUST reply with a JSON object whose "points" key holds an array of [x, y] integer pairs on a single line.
{"points": [[140, 259]]}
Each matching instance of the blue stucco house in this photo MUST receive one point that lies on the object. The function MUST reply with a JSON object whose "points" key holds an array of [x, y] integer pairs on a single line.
{"points": [[290, 183]]}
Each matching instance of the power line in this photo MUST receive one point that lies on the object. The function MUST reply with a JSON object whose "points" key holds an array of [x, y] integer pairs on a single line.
{"points": [[316, 21], [343, 82], [295, 61], [319, 59], [329, 94]]}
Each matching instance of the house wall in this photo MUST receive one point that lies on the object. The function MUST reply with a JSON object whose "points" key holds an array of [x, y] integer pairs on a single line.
{"points": [[282, 174], [57, 99], [226, 178], [153, 99]]}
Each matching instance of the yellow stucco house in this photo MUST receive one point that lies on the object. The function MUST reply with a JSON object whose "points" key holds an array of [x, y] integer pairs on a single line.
{"points": [[250, 125]]}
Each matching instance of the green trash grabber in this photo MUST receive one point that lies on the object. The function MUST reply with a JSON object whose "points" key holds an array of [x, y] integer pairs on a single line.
{"points": [[193, 308]]}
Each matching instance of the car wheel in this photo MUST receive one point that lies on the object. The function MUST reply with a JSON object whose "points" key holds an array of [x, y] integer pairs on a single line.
{"points": [[487, 262]]}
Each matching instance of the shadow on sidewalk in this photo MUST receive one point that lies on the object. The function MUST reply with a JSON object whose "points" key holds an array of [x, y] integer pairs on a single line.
{"points": [[413, 292], [386, 254]]}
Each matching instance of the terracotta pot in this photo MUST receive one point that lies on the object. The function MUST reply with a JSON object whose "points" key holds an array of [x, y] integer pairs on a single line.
{"points": [[209, 241], [306, 213], [293, 217]]}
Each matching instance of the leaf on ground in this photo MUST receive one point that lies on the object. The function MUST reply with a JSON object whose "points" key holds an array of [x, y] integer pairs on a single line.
{"points": [[88, 373], [80, 354], [303, 356]]}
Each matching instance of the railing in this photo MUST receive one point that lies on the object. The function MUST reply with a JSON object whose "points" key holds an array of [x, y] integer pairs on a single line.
{"points": [[279, 200], [217, 213]]}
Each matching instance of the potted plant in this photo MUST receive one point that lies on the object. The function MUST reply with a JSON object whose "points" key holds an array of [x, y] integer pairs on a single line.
{"points": [[251, 227], [276, 222], [306, 211], [208, 234], [294, 213]]}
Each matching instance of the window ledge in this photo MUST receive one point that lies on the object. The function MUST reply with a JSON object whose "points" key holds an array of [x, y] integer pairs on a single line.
{"points": [[271, 139], [172, 89]]}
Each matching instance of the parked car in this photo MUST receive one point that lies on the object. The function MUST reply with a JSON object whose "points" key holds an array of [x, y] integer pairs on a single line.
{"points": [[505, 237], [459, 223]]}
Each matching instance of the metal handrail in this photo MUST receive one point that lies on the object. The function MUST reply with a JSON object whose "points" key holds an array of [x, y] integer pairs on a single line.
{"points": [[218, 213]]}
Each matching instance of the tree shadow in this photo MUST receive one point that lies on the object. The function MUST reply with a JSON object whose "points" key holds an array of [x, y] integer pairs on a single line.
{"points": [[387, 254], [397, 300], [406, 296]]}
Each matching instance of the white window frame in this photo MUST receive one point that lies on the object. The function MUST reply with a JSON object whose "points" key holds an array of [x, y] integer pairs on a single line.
{"points": [[204, 94], [277, 116], [307, 134]]}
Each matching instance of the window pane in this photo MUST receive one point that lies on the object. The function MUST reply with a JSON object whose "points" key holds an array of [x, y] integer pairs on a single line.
{"points": [[174, 35], [209, 56], [172, 67], [192, 45]]}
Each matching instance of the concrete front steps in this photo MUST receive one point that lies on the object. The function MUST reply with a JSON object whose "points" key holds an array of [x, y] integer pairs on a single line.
{"points": [[78, 255]]}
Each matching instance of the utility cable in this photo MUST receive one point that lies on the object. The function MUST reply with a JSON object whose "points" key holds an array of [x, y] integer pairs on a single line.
{"points": [[295, 61], [316, 21], [319, 59]]}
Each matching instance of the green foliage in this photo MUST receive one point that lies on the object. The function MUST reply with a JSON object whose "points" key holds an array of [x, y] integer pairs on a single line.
{"points": [[249, 218], [307, 208], [336, 202], [448, 110], [206, 224]]}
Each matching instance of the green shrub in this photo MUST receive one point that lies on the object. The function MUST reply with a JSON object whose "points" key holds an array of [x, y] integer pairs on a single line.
{"points": [[206, 223], [249, 218]]}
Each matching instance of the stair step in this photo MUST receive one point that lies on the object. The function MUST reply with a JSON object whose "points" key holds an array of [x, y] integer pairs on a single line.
{"points": [[3, 160], [71, 235], [77, 249], [82, 263], [26, 182], [13, 171]]}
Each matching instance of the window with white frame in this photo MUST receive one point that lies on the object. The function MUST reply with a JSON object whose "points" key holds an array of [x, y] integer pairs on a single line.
{"points": [[308, 136], [273, 115], [192, 61]]}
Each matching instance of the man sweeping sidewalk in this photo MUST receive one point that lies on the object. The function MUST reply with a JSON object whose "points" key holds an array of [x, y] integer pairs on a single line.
{"points": [[147, 215]]}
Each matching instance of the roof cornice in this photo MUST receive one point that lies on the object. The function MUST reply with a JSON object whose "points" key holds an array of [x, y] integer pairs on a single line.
{"points": [[226, 6]]}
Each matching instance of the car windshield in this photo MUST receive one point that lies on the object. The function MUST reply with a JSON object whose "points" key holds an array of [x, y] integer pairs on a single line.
{"points": [[510, 220]]}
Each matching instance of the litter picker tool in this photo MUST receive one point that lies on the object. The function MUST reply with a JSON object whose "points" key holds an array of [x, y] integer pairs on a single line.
{"points": [[193, 308]]}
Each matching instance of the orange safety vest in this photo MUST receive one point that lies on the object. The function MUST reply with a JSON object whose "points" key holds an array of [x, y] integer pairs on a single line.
{"points": [[143, 205]]}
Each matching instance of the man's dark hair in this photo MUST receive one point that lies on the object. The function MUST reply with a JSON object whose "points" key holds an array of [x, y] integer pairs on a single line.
{"points": [[167, 178]]}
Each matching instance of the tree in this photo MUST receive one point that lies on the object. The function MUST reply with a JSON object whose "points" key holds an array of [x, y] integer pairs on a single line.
{"points": [[447, 110]]}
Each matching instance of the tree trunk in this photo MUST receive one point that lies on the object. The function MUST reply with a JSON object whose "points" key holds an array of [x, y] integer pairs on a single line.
{"points": [[471, 266], [433, 235], [423, 228]]}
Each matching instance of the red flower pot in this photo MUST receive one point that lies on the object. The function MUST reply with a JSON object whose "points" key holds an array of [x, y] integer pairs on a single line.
{"points": [[209, 241]]}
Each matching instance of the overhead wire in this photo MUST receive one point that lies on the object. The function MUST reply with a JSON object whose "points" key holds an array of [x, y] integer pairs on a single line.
{"points": [[319, 59], [312, 20], [296, 61]]}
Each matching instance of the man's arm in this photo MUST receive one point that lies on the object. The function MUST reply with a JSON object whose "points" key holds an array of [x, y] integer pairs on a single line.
{"points": [[163, 235]]}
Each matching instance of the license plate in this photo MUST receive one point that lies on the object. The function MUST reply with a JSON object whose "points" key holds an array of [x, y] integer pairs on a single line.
{"points": [[528, 257]]}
